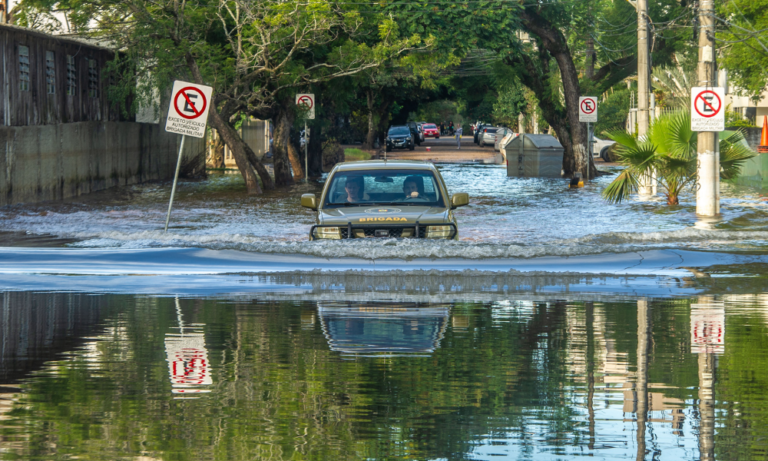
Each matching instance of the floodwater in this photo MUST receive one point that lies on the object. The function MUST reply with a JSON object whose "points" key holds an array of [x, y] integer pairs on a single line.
{"points": [[507, 218], [134, 377], [558, 326]]}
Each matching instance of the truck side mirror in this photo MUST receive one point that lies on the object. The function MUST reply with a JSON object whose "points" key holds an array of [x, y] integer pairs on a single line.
{"points": [[309, 201], [459, 199]]}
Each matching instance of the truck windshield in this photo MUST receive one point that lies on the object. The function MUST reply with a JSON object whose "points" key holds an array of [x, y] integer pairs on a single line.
{"points": [[384, 187]]}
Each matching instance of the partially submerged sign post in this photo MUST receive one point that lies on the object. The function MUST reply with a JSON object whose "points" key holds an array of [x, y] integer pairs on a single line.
{"points": [[307, 102], [187, 116], [588, 114], [708, 118]]}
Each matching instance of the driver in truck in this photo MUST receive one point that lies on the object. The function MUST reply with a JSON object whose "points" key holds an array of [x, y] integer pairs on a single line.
{"points": [[411, 187]]}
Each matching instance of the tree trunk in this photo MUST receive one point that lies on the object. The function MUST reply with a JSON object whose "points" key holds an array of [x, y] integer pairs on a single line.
{"points": [[554, 42], [590, 64], [237, 146], [370, 138], [244, 156], [281, 141], [217, 159], [315, 152]]}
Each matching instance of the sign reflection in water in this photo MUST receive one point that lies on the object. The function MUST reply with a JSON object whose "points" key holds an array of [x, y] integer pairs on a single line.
{"points": [[187, 358], [383, 329]]}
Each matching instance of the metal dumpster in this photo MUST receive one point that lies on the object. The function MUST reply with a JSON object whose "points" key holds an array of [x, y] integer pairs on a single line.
{"points": [[541, 156]]}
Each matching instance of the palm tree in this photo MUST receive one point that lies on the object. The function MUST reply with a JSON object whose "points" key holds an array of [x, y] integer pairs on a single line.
{"points": [[670, 150]]}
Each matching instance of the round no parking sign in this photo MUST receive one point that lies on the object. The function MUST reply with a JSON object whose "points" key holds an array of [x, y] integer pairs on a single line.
{"points": [[188, 111]]}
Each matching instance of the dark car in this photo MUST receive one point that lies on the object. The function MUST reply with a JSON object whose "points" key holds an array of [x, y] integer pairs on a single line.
{"points": [[478, 131], [415, 132], [400, 137]]}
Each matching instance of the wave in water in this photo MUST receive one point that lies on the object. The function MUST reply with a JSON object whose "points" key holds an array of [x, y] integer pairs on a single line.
{"points": [[690, 238]]}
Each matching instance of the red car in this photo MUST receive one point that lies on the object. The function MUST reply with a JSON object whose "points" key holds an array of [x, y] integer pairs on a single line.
{"points": [[431, 131]]}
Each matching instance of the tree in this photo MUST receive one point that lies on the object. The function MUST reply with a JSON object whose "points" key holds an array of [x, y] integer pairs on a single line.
{"points": [[256, 55], [745, 47], [670, 150]]}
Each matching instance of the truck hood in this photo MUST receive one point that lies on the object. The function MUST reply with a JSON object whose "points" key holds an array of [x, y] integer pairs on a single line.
{"points": [[389, 214]]}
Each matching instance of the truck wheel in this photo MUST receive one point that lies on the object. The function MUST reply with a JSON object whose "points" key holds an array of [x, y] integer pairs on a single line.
{"points": [[437, 137]]}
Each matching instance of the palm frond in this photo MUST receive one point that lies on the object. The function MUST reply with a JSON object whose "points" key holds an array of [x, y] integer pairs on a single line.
{"points": [[681, 141], [734, 151], [621, 187]]}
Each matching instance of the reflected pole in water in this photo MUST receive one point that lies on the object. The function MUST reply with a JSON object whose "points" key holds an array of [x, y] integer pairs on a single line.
{"points": [[641, 386], [707, 368], [707, 339], [591, 372]]}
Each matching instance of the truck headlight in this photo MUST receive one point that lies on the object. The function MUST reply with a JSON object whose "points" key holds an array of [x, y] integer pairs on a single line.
{"points": [[327, 233], [439, 232]]}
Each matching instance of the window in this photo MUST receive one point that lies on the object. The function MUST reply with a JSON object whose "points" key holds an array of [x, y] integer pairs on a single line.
{"points": [[71, 76], [50, 72], [23, 68], [93, 79]]}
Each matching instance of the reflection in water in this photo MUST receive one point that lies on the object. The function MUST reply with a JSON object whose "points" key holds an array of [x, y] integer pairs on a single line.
{"points": [[707, 340], [383, 329], [509, 379], [187, 358]]}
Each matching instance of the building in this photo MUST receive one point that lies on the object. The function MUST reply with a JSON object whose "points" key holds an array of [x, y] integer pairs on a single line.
{"points": [[51, 79]]}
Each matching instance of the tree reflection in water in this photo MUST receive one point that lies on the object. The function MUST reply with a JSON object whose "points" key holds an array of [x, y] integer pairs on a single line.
{"points": [[534, 379]]}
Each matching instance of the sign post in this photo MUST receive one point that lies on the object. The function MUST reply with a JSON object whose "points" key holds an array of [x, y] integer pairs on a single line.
{"points": [[187, 115], [708, 118], [588, 114], [307, 101]]}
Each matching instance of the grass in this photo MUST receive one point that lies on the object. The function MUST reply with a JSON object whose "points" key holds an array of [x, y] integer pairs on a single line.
{"points": [[354, 154]]}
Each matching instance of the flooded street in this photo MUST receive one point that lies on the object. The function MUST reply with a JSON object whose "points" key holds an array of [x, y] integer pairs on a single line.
{"points": [[506, 218], [558, 326]]}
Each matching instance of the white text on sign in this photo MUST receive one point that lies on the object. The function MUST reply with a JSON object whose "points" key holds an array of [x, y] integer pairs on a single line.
{"points": [[188, 111], [707, 109]]}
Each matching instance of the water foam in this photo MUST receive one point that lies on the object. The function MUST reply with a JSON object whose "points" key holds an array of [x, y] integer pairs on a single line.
{"points": [[372, 249]]}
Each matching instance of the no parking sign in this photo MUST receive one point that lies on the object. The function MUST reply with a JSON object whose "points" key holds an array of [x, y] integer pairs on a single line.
{"points": [[188, 111], [707, 109]]}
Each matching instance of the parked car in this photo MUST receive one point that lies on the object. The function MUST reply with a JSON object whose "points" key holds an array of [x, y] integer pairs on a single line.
{"points": [[500, 133], [417, 136], [431, 131], [600, 147], [400, 137], [479, 129], [487, 136], [504, 142]]}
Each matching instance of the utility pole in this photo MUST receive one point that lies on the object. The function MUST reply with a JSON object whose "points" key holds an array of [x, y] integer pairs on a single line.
{"points": [[647, 182], [708, 192]]}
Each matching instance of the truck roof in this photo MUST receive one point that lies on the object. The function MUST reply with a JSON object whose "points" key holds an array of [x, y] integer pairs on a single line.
{"points": [[385, 165]]}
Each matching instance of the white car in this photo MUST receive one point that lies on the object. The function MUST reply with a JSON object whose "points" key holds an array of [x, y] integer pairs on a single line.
{"points": [[487, 136], [600, 147], [505, 141], [500, 133]]}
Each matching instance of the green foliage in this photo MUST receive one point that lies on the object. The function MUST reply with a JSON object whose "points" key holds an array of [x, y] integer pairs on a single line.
{"points": [[670, 153], [614, 109], [745, 53], [355, 154]]}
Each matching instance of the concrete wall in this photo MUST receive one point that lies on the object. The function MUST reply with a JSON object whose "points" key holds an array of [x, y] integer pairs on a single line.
{"points": [[52, 162]]}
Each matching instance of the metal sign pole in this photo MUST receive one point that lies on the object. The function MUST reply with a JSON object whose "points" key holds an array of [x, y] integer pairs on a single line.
{"points": [[306, 149], [175, 179]]}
